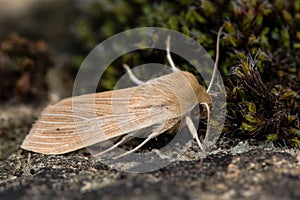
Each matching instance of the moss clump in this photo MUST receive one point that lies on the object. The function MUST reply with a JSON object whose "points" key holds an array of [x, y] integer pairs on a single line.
{"points": [[260, 54], [23, 67]]}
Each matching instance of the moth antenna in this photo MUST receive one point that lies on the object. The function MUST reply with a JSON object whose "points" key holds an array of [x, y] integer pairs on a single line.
{"points": [[168, 44], [194, 133], [122, 141], [132, 77], [216, 60], [151, 136], [208, 123]]}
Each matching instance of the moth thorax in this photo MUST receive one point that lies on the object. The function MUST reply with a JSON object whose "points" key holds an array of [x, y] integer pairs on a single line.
{"points": [[199, 90], [186, 89]]}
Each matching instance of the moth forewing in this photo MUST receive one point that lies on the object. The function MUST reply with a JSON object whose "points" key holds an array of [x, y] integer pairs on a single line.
{"points": [[81, 121]]}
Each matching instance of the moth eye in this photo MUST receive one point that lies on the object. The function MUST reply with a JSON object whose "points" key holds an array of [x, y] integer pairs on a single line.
{"points": [[58, 129]]}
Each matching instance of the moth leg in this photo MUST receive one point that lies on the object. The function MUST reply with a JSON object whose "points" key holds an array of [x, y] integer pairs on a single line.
{"points": [[208, 122], [132, 77], [194, 133], [151, 136], [168, 44], [122, 141]]}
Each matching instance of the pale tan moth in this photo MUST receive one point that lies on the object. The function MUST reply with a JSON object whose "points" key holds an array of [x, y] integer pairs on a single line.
{"points": [[161, 103]]}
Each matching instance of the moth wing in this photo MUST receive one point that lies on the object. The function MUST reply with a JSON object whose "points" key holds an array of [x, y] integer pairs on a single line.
{"points": [[81, 121]]}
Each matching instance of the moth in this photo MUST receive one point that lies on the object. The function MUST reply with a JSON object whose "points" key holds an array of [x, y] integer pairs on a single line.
{"points": [[159, 103]]}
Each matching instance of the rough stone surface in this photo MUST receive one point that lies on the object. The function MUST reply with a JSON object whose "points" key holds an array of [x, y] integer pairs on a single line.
{"points": [[234, 170]]}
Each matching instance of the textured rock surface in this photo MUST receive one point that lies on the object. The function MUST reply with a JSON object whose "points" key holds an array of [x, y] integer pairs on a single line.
{"points": [[239, 171]]}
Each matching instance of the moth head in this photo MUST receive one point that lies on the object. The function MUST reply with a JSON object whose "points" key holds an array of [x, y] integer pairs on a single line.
{"points": [[203, 96]]}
